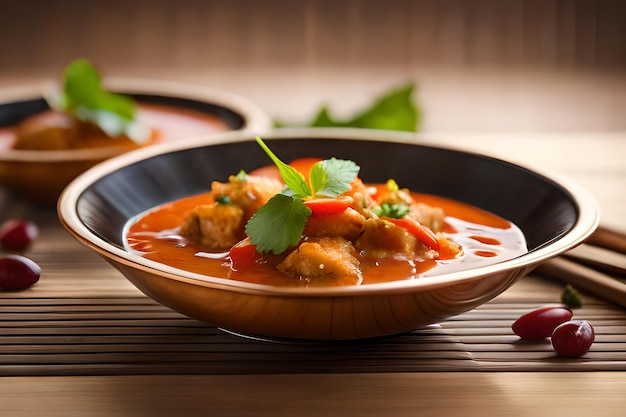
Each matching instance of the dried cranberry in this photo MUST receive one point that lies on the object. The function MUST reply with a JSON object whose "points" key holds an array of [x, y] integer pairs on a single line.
{"points": [[573, 338], [539, 324], [17, 235], [18, 272]]}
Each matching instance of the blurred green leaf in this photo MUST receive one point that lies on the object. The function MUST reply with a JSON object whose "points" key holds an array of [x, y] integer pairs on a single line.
{"points": [[83, 88], [84, 98], [395, 110], [571, 297]]}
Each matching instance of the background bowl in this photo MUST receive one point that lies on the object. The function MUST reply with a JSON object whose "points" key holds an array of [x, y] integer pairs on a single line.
{"points": [[554, 214], [41, 175]]}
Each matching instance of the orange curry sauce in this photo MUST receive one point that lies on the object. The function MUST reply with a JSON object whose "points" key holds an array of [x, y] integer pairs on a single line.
{"points": [[485, 237]]}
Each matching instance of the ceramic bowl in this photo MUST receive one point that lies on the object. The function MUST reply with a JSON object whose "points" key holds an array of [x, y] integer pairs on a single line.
{"points": [[553, 213], [40, 175]]}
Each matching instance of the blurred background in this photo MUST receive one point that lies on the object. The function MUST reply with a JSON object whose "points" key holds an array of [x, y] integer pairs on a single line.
{"points": [[479, 66]]}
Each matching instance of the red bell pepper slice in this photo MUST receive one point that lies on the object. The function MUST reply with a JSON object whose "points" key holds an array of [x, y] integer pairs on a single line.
{"points": [[304, 165], [421, 232], [322, 206], [243, 255]]}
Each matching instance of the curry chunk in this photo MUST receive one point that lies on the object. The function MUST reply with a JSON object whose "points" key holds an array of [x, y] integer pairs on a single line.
{"points": [[52, 130], [323, 262], [348, 224], [219, 225], [362, 195], [429, 216], [249, 193], [215, 226], [383, 239]]}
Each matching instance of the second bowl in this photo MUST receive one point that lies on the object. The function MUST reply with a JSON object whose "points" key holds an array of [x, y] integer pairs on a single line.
{"points": [[175, 110]]}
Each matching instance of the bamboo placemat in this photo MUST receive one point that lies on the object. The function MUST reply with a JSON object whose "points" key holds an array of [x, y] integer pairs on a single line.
{"points": [[134, 335], [84, 318]]}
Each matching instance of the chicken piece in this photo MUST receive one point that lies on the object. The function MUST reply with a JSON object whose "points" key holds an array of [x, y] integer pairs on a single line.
{"points": [[348, 224], [47, 131], [383, 239], [216, 227], [53, 130], [402, 196], [250, 194], [429, 216], [220, 225], [323, 262], [363, 200]]}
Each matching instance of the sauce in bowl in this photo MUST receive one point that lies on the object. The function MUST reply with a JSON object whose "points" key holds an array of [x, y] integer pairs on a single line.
{"points": [[166, 123], [485, 238]]}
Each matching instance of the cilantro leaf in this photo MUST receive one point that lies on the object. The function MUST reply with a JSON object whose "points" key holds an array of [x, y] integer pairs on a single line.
{"points": [[293, 179], [332, 177], [392, 111], [278, 224], [84, 98]]}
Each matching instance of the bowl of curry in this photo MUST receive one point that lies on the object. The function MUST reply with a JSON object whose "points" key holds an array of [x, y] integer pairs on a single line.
{"points": [[322, 234], [42, 150]]}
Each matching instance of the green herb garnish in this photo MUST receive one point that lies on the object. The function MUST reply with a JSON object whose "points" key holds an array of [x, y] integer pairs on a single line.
{"points": [[280, 222], [392, 210], [242, 176], [571, 297], [223, 199], [84, 98], [395, 211], [293, 179], [393, 111], [332, 177]]}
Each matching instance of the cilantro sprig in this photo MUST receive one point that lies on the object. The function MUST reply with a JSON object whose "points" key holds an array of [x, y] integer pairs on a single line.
{"points": [[84, 98], [292, 177], [280, 222]]}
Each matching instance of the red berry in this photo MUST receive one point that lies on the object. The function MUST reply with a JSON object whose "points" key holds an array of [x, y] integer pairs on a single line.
{"points": [[573, 338], [18, 272], [539, 324], [17, 235]]}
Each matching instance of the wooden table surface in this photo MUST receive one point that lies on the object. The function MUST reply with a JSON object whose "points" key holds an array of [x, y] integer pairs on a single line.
{"points": [[84, 342]]}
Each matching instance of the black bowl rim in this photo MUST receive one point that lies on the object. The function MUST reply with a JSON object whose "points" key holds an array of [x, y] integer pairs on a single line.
{"points": [[587, 220]]}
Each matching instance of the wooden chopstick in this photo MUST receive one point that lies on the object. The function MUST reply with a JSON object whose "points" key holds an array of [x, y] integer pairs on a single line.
{"points": [[600, 258], [609, 239], [586, 279], [590, 267]]}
